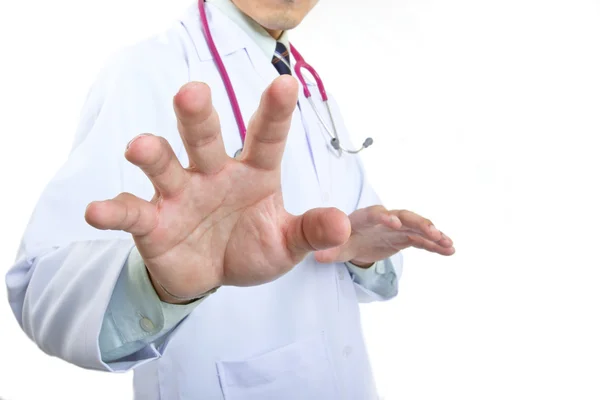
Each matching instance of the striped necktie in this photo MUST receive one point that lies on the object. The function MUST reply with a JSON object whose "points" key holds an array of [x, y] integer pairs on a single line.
{"points": [[281, 59]]}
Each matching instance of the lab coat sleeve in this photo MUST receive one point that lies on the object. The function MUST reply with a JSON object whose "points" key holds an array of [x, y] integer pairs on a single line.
{"points": [[136, 317], [380, 281], [63, 279]]}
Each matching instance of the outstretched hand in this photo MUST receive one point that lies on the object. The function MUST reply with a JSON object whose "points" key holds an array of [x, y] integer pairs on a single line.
{"points": [[220, 221], [378, 234]]}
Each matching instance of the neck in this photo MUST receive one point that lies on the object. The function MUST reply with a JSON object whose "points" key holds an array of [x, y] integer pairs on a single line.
{"points": [[274, 34]]}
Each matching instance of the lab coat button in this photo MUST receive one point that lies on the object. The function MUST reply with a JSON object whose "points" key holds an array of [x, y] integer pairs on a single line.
{"points": [[347, 351], [341, 274], [147, 324]]}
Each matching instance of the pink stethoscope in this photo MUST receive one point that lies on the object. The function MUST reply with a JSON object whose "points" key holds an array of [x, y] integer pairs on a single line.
{"points": [[300, 63]]}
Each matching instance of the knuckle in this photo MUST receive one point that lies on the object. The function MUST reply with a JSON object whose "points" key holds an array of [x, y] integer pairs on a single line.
{"points": [[164, 143], [411, 239], [202, 136], [425, 227], [132, 217], [402, 214], [376, 211], [123, 197], [418, 242], [380, 209]]}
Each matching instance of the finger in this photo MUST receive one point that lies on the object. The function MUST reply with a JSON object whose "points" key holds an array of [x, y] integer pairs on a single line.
{"points": [[333, 255], [417, 223], [155, 156], [422, 243], [369, 216], [391, 221], [269, 127], [317, 229], [200, 129], [445, 241], [125, 212]]}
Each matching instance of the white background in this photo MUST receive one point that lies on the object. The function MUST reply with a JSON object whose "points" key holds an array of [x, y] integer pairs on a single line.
{"points": [[486, 117]]}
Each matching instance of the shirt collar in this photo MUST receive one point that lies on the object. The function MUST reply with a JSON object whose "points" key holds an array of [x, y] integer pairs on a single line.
{"points": [[256, 32]]}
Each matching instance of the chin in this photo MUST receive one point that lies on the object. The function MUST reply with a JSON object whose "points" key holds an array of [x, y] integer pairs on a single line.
{"points": [[277, 15], [281, 24]]}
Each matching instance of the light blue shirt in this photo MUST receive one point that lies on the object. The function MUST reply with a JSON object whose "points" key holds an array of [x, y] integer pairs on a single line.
{"points": [[137, 317]]}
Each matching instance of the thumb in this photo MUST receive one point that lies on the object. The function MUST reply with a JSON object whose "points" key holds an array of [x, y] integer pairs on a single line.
{"points": [[317, 229], [125, 212]]}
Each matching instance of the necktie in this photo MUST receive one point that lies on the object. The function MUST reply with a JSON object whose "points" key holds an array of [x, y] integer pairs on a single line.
{"points": [[281, 59]]}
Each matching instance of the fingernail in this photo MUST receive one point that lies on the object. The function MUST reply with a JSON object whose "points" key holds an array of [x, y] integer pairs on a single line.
{"points": [[434, 230], [136, 138]]}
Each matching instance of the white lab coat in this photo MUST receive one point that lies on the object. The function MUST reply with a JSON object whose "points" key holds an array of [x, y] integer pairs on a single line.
{"points": [[298, 337]]}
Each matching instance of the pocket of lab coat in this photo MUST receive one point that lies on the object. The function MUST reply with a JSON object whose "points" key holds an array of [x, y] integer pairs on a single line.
{"points": [[299, 371]]}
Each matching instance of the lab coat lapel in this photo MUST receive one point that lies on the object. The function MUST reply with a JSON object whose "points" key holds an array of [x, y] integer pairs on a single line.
{"points": [[317, 139], [301, 128], [230, 39]]}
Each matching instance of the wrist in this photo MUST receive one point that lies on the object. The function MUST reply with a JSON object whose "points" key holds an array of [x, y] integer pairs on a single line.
{"points": [[362, 264], [167, 297]]}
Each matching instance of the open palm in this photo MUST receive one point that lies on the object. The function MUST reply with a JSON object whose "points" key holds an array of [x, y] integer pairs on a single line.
{"points": [[221, 221]]}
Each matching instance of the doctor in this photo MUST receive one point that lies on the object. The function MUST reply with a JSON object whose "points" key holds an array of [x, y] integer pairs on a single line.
{"points": [[213, 276]]}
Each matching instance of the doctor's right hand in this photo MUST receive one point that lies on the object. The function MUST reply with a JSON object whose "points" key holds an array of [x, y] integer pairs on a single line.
{"points": [[221, 221]]}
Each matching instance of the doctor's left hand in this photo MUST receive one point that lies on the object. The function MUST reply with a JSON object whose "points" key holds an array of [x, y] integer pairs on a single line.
{"points": [[378, 234]]}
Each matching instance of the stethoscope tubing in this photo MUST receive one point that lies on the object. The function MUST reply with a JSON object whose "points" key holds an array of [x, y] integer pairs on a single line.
{"points": [[299, 65]]}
